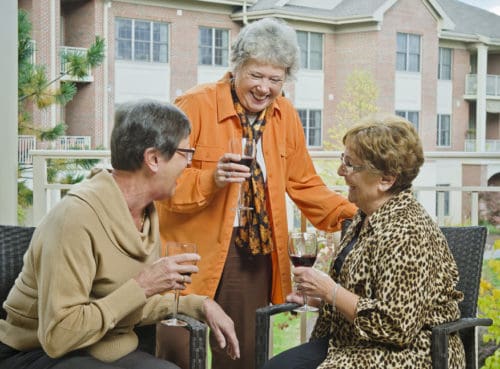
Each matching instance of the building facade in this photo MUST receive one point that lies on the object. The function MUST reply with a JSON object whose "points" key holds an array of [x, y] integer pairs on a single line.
{"points": [[436, 62]]}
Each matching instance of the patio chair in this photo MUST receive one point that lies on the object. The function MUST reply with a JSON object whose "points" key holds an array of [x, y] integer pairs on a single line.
{"points": [[467, 245], [14, 241]]}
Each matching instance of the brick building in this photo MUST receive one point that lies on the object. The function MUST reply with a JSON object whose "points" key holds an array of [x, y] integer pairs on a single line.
{"points": [[436, 62]]}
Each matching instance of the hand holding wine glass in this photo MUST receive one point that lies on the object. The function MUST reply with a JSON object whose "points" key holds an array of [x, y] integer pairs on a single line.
{"points": [[247, 149], [175, 248], [303, 249]]}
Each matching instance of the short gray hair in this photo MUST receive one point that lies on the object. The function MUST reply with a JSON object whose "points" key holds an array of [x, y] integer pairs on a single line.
{"points": [[143, 124], [268, 40]]}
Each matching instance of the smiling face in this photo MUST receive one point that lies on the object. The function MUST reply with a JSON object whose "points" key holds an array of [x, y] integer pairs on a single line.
{"points": [[258, 85], [367, 189]]}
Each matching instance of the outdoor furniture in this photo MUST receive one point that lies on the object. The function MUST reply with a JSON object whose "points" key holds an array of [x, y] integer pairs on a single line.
{"points": [[14, 241], [467, 245]]}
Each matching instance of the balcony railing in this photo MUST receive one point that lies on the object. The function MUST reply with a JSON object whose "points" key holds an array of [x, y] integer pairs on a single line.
{"points": [[67, 50], [490, 146], [27, 143], [462, 204], [492, 85]]}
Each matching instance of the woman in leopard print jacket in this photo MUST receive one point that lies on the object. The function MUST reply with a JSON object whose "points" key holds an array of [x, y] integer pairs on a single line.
{"points": [[393, 277]]}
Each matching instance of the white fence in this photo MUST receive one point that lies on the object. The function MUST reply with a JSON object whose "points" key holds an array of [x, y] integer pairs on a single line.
{"points": [[25, 144], [438, 187]]}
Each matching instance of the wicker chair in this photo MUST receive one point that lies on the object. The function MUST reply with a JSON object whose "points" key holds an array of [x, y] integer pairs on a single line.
{"points": [[14, 242], [467, 246]]}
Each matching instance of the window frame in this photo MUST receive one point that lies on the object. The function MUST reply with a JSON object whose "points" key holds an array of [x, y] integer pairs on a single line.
{"points": [[440, 131], [407, 115], [309, 114], [307, 53], [446, 210], [444, 66], [134, 42], [213, 47], [409, 53]]}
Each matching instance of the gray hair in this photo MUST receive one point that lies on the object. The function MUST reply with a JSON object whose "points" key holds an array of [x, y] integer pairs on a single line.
{"points": [[268, 40], [143, 124]]}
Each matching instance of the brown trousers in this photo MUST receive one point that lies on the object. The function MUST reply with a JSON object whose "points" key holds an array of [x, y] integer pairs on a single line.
{"points": [[245, 286]]}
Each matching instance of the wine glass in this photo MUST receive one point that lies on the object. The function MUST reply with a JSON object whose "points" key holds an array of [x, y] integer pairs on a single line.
{"points": [[175, 248], [247, 148], [303, 249]]}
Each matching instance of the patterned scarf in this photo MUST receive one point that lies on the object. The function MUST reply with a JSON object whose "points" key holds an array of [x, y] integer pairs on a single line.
{"points": [[254, 232]]}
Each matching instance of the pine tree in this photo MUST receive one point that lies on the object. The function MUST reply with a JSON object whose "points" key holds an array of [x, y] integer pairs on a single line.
{"points": [[35, 89]]}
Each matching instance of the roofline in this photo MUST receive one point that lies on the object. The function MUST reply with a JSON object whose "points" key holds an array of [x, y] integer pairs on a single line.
{"points": [[240, 16], [467, 37]]}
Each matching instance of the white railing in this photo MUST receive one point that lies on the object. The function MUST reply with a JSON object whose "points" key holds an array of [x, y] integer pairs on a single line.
{"points": [[440, 169], [492, 85], [25, 144], [490, 145], [45, 194], [68, 50], [71, 142]]}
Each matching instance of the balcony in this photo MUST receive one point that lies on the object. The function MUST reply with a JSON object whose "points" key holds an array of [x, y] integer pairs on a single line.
{"points": [[490, 146], [492, 86], [67, 50]]}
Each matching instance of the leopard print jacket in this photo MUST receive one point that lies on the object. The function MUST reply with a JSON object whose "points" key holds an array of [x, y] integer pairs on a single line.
{"points": [[405, 275]]}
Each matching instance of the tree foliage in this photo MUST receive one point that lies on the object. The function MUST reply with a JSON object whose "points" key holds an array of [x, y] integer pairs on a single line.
{"points": [[359, 100], [35, 88]]}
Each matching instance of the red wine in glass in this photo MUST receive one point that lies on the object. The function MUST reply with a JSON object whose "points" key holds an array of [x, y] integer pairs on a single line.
{"points": [[303, 260], [247, 149], [246, 161], [302, 250]]}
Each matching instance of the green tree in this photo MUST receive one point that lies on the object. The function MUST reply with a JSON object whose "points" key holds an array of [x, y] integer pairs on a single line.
{"points": [[36, 90], [358, 101]]}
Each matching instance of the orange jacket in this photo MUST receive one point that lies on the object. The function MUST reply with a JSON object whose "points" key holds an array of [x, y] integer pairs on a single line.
{"points": [[201, 212]]}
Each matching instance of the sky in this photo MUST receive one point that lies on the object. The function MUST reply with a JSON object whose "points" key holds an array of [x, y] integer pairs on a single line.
{"points": [[491, 5]]}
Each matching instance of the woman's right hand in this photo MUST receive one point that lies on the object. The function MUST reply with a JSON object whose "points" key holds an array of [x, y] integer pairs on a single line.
{"points": [[229, 171], [168, 273]]}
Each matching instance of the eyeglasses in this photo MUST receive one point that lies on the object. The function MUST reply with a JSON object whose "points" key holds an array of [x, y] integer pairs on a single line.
{"points": [[348, 166], [257, 77], [187, 153]]}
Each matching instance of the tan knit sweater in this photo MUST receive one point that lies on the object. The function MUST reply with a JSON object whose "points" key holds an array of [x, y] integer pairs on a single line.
{"points": [[76, 289]]}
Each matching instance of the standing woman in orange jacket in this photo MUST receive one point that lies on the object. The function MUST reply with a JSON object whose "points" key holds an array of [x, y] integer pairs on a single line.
{"points": [[245, 266]]}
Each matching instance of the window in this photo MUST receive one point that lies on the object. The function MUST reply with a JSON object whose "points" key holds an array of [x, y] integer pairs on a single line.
{"points": [[443, 130], [443, 197], [311, 121], [214, 47], [408, 52], [140, 40], [444, 66], [411, 116], [311, 50]]}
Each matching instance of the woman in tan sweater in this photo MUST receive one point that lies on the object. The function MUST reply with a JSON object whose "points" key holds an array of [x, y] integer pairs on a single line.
{"points": [[92, 272]]}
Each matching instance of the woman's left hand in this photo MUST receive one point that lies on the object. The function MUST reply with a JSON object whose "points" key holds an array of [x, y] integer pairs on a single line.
{"points": [[312, 282]]}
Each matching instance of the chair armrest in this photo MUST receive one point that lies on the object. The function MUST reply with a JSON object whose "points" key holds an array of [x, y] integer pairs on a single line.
{"points": [[197, 341], [262, 325], [440, 333]]}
